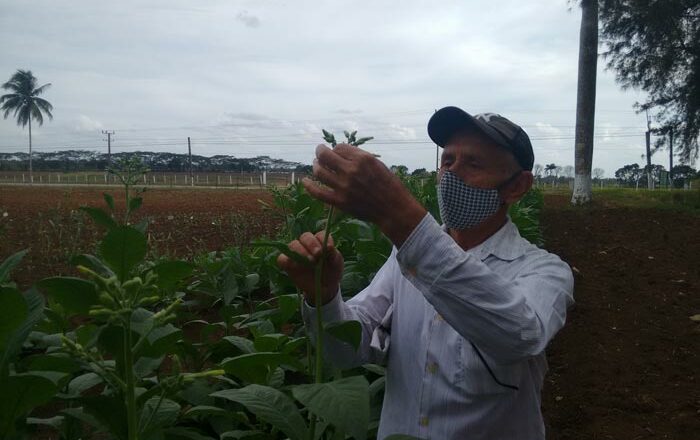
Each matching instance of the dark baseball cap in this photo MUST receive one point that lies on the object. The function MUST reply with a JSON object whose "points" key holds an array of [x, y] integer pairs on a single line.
{"points": [[449, 120]]}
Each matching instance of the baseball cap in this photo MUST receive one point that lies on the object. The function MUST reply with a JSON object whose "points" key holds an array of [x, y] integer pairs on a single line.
{"points": [[448, 120]]}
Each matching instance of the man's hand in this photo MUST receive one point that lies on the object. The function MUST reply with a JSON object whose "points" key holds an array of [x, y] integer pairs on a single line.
{"points": [[359, 184], [310, 246]]}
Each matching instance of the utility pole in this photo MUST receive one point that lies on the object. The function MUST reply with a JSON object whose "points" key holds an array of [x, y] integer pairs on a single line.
{"points": [[437, 153], [109, 145], [189, 155], [670, 156], [650, 182]]}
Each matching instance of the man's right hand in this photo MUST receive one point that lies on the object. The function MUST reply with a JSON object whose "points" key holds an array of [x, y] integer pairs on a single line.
{"points": [[310, 246]]}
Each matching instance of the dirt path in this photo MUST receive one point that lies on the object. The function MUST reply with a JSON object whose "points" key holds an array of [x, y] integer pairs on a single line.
{"points": [[627, 364]]}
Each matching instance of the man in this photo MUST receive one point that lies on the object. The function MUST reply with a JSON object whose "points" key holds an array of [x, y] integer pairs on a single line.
{"points": [[460, 313]]}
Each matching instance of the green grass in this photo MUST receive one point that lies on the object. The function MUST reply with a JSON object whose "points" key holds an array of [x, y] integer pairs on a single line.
{"points": [[672, 199]]}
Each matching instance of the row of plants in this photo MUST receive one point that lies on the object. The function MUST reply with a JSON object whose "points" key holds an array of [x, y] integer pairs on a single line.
{"points": [[138, 347]]}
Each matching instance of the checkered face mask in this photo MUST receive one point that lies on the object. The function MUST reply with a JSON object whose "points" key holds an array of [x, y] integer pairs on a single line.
{"points": [[463, 206]]}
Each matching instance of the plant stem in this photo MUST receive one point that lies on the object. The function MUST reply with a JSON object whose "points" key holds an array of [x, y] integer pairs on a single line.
{"points": [[130, 383], [318, 272]]}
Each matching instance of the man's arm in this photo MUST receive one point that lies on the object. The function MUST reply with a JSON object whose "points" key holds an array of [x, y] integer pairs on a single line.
{"points": [[372, 307], [508, 319]]}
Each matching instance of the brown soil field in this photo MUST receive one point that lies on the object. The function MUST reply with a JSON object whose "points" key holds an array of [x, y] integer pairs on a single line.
{"points": [[182, 223], [626, 366]]}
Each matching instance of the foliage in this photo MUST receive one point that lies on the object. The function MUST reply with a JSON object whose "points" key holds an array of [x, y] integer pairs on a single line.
{"points": [[24, 100], [653, 46], [213, 348]]}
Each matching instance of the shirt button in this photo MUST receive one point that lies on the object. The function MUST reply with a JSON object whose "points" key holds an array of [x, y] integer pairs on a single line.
{"points": [[432, 368], [423, 421], [438, 317]]}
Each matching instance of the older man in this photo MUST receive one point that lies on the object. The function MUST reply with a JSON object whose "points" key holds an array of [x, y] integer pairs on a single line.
{"points": [[460, 313]]}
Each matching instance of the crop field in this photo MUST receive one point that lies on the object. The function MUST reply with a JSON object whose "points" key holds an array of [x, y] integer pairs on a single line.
{"points": [[218, 348]]}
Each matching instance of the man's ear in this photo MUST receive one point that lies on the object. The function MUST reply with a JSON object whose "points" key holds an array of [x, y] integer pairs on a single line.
{"points": [[516, 189]]}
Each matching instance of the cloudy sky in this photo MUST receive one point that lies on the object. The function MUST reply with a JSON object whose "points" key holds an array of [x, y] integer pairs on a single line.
{"points": [[262, 77]]}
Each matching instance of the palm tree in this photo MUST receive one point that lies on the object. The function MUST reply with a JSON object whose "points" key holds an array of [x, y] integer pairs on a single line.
{"points": [[26, 104], [585, 101]]}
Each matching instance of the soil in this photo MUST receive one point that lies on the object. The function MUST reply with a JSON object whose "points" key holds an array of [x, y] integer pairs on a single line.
{"points": [[182, 223], [626, 365]]}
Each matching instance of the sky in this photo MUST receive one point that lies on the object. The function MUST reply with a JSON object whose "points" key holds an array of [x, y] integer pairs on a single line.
{"points": [[263, 77]]}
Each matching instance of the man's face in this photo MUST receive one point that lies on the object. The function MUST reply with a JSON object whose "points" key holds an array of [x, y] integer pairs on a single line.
{"points": [[477, 161]]}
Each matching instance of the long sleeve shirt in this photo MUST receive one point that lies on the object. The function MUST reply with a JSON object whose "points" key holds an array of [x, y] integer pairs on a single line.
{"points": [[462, 334]]}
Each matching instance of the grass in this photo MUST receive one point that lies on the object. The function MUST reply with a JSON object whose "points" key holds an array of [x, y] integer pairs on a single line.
{"points": [[665, 199]]}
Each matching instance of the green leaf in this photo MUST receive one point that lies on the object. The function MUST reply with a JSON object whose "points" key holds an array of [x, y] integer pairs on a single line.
{"points": [[83, 383], [21, 393], [157, 413], [270, 405], [122, 249], [243, 344], [346, 331], [135, 203], [141, 226], [205, 411], [13, 312], [256, 367], [170, 272], [245, 435], [10, 263], [251, 282], [284, 248], [343, 403], [75, 295], [181, 433], [160, 341], [100, 217], [105, 412], [109, 200], [58, 362], [93, 263], [14, 340], [270, 342]]}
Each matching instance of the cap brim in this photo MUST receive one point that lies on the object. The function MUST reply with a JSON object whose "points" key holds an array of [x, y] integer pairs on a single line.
{"points": [[449, 120]]}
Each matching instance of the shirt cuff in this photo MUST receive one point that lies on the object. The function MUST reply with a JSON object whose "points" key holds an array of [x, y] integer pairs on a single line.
{"points": [[421, 240], [332, 311]]}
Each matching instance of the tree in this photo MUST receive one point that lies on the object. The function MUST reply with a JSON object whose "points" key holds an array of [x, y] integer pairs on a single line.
{"points": [[598, 173], [549, 169], [655, 46], [629, 174], [682, 174], [585, 101], [26, 104], [537, 170]]}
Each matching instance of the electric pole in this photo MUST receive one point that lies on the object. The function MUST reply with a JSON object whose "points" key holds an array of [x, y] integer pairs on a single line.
{"points": [[650, 182], [437, 153], [670, 156], [109, 145], [189, 155]]}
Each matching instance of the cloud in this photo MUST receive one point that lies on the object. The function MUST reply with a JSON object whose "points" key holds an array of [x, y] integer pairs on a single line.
{"points": [[85, 123], [547, 129], [250, 21]]}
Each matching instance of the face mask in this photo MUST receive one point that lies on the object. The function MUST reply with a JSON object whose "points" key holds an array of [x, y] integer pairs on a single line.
{"points": [[463, 206]]}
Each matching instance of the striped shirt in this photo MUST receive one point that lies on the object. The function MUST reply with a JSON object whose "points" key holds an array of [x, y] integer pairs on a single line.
{"points": [[462, 334]]}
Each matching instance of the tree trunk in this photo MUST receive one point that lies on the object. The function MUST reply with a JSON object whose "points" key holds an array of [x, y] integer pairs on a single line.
{"points": [[31, 175], [585, 101]]}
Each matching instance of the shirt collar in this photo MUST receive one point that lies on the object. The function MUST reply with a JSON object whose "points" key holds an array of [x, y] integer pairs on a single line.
{"points": [[505, 244]]}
